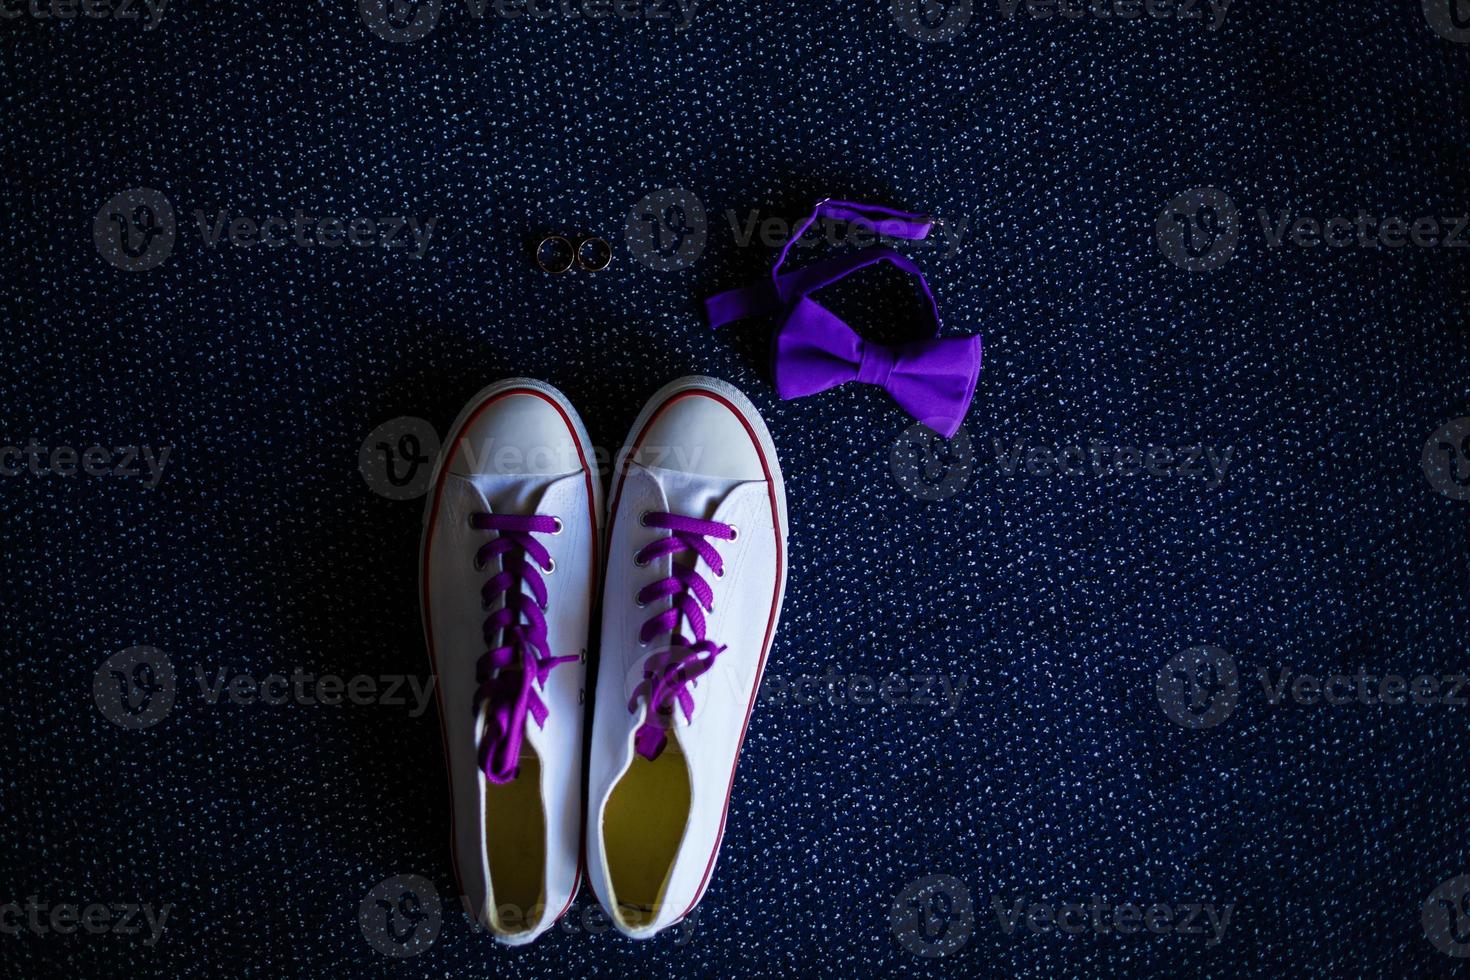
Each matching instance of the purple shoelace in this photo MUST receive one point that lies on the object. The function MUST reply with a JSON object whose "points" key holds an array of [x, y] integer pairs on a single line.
{"points": [[508, 674], [668, 674]]}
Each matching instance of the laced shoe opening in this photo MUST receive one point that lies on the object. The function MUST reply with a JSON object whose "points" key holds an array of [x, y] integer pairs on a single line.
{"points": [[515, 847], [642, 826]]}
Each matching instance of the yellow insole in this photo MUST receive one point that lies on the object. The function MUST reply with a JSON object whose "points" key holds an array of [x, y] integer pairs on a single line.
{"points": [[642, 827], [515, 842]]}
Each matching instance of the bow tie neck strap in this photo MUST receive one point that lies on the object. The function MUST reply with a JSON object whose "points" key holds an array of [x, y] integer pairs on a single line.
{"points": [[881, 221], [783, 292]]}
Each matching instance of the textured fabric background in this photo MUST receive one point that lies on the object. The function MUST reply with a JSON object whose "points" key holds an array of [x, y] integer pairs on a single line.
{"points": [[1049, 603]]}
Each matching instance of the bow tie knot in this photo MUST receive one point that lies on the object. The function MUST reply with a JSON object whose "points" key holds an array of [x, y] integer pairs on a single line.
{"points": [[877, 364]]}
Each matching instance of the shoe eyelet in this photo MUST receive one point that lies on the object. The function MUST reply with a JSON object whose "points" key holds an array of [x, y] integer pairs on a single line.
{"points": [[470, 520], [560, 527], [639, 561], [734, 533], [550, 565], [643, 518], [641, 603]]}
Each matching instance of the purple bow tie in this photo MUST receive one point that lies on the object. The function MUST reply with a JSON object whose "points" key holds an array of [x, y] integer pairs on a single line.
{"points": [[813, 350]]}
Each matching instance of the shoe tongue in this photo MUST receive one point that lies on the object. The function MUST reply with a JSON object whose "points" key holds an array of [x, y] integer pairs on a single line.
{"points": [[691, 494], [518, 494]]}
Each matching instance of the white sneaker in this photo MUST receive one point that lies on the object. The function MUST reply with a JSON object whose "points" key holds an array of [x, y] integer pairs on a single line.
{"points": [[696, 570], [509, 566]]}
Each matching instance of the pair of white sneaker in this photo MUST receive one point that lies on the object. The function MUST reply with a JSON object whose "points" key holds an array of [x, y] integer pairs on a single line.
{"points": [[691, 564]]}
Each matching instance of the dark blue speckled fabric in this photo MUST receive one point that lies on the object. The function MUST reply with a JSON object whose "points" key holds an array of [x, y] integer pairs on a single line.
{"points": [[1009, 664]]}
